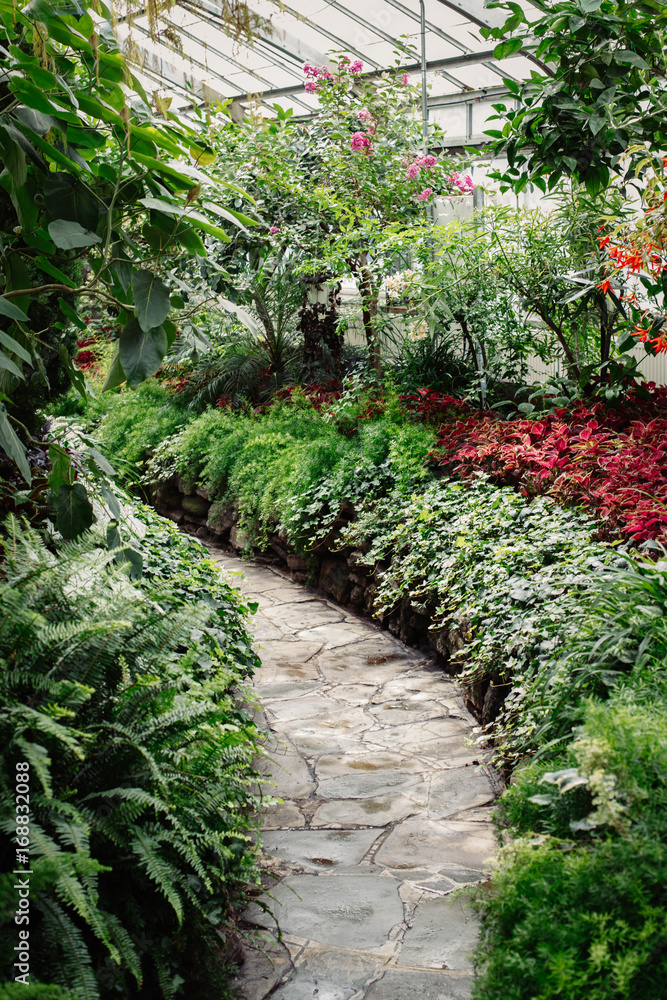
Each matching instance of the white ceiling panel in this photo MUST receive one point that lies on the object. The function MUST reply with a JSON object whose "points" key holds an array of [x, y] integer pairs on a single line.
{"points": [[293, 32]]}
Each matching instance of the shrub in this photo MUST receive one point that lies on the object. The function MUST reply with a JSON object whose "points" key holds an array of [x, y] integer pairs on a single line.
{"points": [[132, 424], [577, 904]]}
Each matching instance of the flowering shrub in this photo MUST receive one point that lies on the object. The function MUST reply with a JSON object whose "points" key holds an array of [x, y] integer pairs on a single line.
{"points": [[464, 184], [86, 359], [636, 254], [418, 330], [361, 141], [614, 463], [399, 284]]}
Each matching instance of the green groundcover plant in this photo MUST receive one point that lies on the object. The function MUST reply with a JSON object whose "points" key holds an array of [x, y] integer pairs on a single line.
{"points": [[119, 701]]}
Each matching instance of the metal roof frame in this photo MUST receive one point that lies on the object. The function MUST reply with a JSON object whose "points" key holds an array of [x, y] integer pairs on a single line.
{"points": [[282, 50]]}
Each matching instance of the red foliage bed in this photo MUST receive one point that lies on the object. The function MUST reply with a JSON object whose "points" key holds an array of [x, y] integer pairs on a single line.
{"points": [[614, 462]]}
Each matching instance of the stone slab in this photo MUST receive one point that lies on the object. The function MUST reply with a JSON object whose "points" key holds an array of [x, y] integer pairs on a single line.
{"points": [[339, 723], [334, 765], [377, 812], [457, 789], [261, 969], [320, 850], [399, 712], [332, 636], [289, 771], [346, 911], [263, 630], [420, 842], [369, 662], [285, 594], [355, 694], [327, 974], [312, 706], [442, 935], [277, 690], [302, 614], [369, 784], [420, 738], [401, 984], [283, 816]]}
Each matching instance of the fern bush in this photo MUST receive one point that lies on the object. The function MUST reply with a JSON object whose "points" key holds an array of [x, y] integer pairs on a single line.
{"points": [[122, 697]]}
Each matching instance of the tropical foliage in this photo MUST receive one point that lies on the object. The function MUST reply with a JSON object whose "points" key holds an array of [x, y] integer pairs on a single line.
{"points": [[103, 196], [601, 93]]}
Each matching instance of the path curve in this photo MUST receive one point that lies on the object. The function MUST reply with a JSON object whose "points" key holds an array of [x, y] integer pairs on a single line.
{"points": [[385, 814]]}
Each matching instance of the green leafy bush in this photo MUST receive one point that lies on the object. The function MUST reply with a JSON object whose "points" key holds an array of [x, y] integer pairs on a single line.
{"points": [[121, 697], [577, 904], [133, 424]]}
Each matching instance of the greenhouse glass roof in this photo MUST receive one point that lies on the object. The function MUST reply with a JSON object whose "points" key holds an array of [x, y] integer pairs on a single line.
{"points": [[190, 55]]}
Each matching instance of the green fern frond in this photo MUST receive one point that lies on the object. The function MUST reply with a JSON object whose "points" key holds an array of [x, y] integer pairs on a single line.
{"points": [[165, 875], [74, 967]]}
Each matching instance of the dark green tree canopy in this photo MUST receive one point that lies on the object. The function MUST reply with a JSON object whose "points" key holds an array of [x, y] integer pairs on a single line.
{"points": [[606, 95]]}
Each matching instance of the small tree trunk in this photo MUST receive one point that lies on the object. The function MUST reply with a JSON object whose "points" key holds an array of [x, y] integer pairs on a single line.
{"points": [[369, 309]]}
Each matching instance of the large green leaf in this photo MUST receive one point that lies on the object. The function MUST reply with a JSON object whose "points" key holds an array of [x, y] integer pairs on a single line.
{"points": [[68, 198], [74, 511], [18, 277], [7, 365], [10, 309], [151, 300], [122, 266], [14, 346], [141, 352], [13, 158], [507, 48], [69, 235], [194, 218], [629, 58], [124, 554], [61, 467], [116, 375], [45, 265], [12, 446]]}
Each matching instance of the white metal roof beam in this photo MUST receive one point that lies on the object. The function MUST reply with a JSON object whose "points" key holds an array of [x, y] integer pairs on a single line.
{"points": [[465, 59], [227, 58], [339, 42], [486, 18]]}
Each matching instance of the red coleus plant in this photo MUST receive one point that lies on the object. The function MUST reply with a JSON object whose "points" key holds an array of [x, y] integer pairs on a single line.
{"points": [[86, 360], [614, 463], [429, 405]]}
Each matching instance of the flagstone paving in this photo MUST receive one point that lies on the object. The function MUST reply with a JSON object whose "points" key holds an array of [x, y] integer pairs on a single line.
{"points": [[385, 812]]}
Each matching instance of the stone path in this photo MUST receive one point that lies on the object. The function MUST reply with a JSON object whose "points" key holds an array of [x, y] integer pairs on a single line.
{"points": [[385, 812]]}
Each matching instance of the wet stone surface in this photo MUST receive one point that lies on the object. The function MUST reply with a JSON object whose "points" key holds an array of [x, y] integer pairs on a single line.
{"points": [[382, 816]]}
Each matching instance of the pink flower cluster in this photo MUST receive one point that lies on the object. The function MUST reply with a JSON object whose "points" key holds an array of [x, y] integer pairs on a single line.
{"points": [[425, 194], [361, 141], [316, 76], [414, 169], [464, 184], [366, 116]]}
